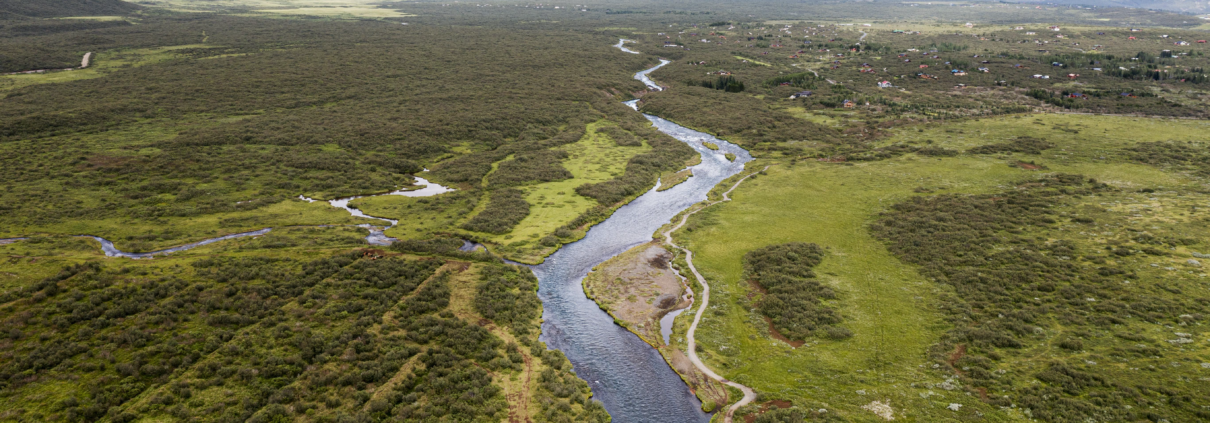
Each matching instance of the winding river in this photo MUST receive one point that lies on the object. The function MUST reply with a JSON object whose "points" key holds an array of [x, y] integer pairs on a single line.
{"points": [[626, 374]]}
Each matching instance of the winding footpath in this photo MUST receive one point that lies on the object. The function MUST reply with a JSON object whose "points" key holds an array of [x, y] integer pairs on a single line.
{"points": [[749, 394]]}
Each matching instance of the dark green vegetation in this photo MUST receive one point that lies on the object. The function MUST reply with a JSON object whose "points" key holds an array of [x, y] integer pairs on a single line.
{"points": [[530, 167], [792, 296], [505, 209], [192, 125], [14, 9], [1191, 157], [259, 111], [264, 337], [1025, 145], [1021, 287], [620, 136]]}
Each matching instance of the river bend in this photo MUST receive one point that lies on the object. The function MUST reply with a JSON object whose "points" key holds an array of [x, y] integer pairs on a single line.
{"points": [[626, 374]]}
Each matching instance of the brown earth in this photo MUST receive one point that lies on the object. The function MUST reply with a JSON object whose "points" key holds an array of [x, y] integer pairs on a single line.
{"points": [[638, 288]]}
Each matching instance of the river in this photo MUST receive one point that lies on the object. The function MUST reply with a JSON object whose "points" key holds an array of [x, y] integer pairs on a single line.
{"points": [[626, 374]]}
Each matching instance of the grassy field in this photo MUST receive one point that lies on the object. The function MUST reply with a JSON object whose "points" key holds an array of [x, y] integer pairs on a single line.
{"points": [[890, 307], [595, 158]]}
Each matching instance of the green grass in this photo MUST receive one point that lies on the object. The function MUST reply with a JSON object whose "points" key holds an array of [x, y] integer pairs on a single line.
{"points": [[418, 217], [595, 158], [887, 304], [136, 235]]}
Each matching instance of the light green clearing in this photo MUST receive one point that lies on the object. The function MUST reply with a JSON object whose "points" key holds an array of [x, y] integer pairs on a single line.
{"points": [[889, 307], [417, 218], [816, 117], [752, 61], [594, 158]]}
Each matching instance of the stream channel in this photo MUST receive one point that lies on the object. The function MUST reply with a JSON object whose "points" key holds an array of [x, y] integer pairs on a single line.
{"points": [[626, 374]]}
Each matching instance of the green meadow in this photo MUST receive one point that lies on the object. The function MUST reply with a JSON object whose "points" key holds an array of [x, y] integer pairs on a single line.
{"points": [[891, 308]]}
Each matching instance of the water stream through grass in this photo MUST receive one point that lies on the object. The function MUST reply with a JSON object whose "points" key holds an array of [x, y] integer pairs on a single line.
{"points": [[376, 236], [626, 374]]}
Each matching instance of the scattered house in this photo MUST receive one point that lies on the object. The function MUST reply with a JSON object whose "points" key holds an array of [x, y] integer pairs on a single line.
{"points": [[1135, 30], [924, 66], [958, 72], [884, 84], [970, 25], [1041, 77], [960, 86], [1073, 75], [1019, 28], [984, 70], [1133, 38], [848, 104], [1128, 95], [1097, 69], [1077, 95], [1031, 33], [1056, 64], [801, 94], [1201, 41], [1055, 28], [1181, 43], [1164, 36]]}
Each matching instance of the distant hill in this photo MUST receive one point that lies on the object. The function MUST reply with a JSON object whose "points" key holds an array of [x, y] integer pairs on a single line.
{"points": [[1183, 6], [59, 8]]}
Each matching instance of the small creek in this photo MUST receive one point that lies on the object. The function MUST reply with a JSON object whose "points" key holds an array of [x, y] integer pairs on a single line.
{"points": [[629, 377], [376, 236], [626, 374]]}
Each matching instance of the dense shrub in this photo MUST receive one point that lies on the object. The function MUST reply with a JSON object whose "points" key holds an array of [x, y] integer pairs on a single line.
{"points": [[1012, 283], [1026, 145], [530, 167], [792, 295], [620, 136], [508, 296], [506, 208]]}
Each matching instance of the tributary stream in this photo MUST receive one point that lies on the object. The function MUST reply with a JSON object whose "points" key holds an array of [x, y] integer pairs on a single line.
{"points": [[626, 374]]}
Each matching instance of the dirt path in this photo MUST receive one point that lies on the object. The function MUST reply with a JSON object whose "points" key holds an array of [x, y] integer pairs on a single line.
{"points": [[749, 394], [84, 62], [863, 35]]}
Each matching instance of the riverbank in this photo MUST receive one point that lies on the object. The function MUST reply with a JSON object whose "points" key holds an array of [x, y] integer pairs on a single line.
{"points": [[638, 289]]}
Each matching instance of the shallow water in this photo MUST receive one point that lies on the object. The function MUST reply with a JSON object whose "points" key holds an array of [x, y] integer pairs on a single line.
{"points": [[626, 374], [376, 236]]}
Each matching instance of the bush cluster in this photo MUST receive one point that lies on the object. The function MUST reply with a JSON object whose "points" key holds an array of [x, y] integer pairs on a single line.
{"points": [[792, 294]]}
